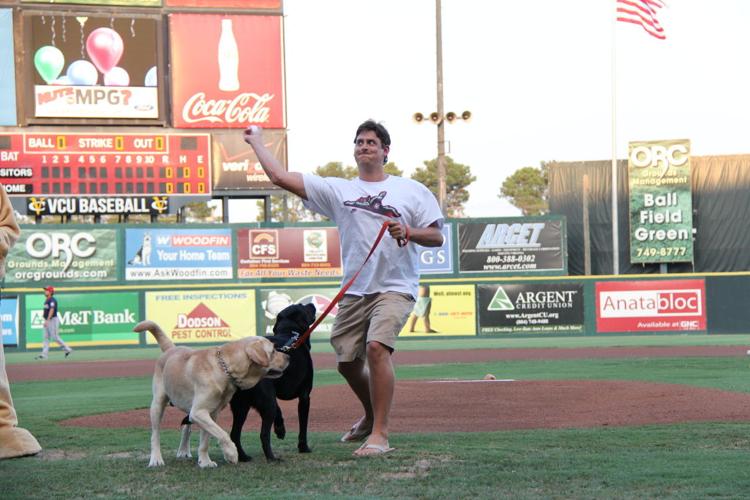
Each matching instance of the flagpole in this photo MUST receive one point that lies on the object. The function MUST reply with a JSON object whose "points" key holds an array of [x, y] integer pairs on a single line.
{"points": [[615, 236]]}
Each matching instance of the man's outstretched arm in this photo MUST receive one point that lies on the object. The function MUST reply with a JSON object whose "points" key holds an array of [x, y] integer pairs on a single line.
{"points": [[291, 181]]}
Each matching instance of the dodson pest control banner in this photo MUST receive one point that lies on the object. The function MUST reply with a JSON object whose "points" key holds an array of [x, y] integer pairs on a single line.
{"points": [[649, 306], [203, 316]]}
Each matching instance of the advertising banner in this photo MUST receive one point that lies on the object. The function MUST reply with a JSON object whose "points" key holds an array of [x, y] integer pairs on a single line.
{"points": [[261, 5], [75, 164], [130, 3], [9, 316], [290, 252], [511, 245], [236, 168], [93, 66], [7, 70], [272, 301], [651, 306], [86, 319], [230, 76], [438, 260], [531, 308], [661, 202], [178, 254], [63, 256], [202, 316], [68, 205], [441, 311]]}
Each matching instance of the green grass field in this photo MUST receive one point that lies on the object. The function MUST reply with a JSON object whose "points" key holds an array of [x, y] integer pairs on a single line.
{"points": [[660, 461]]}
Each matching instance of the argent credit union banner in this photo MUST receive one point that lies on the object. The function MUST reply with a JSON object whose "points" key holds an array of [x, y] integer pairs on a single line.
{"points": [[661, 202]]}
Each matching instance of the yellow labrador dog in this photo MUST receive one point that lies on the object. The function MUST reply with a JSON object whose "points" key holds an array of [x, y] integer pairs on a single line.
{"points": [[201, 383]]}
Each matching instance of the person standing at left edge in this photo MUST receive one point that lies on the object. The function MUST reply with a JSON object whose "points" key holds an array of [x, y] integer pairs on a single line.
{"points": [[14, 441], [52, 324]]}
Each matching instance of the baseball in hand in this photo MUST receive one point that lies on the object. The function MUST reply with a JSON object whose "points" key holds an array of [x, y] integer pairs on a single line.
{"points": [[253, 130]]}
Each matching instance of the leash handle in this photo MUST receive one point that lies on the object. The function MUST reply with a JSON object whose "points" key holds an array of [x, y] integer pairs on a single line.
{"points": [[343, 290]]}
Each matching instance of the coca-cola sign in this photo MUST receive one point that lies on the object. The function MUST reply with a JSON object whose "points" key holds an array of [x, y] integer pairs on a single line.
{"points": [[216, 78]]}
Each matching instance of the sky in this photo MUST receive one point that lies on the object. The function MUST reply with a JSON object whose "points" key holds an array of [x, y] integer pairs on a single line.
{"points": [[537, 76]]}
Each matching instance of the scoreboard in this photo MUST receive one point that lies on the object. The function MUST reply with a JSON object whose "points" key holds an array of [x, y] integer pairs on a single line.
{"points": [[105, 165]]}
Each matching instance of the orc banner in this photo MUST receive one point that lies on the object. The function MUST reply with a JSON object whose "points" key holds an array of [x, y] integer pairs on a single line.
{"points": [[661, 203], [63, 256], [513, 246]]}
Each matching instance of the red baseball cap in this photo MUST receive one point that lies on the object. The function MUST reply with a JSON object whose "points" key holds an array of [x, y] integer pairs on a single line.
{"points": [[49, 289]]}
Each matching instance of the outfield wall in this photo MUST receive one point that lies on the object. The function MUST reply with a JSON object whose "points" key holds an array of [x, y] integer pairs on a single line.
{"points": [[214, 283]]}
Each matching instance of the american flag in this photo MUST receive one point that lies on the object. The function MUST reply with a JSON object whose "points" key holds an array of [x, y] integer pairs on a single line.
{"points": [[643, 13]]}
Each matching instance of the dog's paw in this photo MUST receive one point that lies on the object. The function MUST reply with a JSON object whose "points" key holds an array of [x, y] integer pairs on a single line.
{"points": [[207, 464], [303, 448], [274, 460], [184, 454], [244, 458], [156, 462], [230, 454], [280, 431]]}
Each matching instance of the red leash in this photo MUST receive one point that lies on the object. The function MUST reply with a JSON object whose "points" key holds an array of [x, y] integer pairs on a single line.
{"points": [[346, 286]]}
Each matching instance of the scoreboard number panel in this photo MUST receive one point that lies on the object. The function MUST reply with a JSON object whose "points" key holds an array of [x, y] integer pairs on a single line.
{"points": [[50, 164]]}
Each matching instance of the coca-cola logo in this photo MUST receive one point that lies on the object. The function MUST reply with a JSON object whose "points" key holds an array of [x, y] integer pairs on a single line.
{"points": [[247, 107]]}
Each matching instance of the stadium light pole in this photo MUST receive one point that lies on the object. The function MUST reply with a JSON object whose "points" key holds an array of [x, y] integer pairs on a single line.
{"points": [[439, 117], [440, 107]]}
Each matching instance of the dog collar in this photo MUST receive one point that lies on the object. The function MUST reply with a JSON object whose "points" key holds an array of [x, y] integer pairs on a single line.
{"points": [[224, 367]]}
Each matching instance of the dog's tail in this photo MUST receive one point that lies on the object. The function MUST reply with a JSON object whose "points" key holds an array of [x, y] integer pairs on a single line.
{"points": [[164, 342]]}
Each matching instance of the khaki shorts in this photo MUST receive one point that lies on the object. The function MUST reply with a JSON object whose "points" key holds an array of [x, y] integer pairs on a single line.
{"points": [[362, 319]]}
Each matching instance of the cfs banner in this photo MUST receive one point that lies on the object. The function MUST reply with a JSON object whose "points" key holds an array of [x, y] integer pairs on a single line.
{"points": [[661, 202], [86, 319], [93, 66], [9, 316], [272, 301], [178, 254], [204, 316], [531, 308], [290, 252], [63, 256], [230, 76], [648, 306], [442, 310], [512, 245]]}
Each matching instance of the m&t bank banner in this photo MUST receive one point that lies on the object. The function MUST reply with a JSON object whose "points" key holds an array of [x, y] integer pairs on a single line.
{"points": [[86, 319], [661, 202]]}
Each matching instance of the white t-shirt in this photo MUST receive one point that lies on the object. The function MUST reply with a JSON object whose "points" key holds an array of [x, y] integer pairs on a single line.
{"points": [[359, 209]]}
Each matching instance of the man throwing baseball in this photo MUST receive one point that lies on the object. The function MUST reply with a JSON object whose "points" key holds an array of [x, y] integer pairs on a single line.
{"points": [[378, 303]]}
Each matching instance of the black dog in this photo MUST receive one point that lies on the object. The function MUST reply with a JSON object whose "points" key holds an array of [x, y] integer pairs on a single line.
{"points": [[295, 383]]}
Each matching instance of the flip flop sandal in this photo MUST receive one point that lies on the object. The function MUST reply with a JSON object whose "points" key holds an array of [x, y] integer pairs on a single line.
{"points": [[375, 449], [354, 435]]}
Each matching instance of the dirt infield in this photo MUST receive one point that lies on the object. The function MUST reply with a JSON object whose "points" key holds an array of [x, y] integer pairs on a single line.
{"points": [[466, 406]]}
